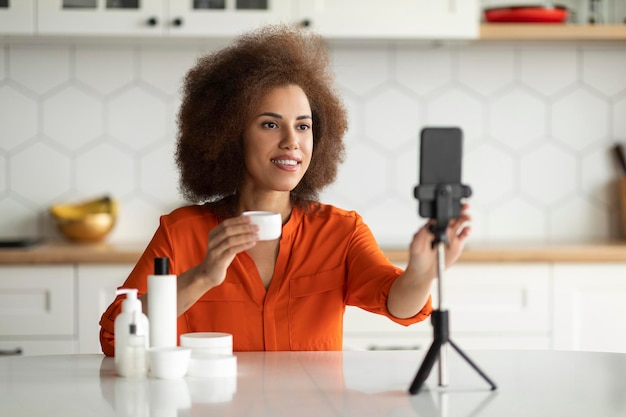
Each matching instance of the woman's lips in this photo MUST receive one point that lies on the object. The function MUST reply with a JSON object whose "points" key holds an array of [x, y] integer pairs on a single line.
{"points": [[286, 164]]}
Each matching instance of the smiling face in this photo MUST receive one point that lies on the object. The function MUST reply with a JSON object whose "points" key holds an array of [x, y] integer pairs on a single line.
{"points": [[278, 141]]}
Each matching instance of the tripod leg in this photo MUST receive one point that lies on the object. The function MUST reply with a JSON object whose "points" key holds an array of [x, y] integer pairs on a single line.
{"points": [[473, 365], [426, 367]]}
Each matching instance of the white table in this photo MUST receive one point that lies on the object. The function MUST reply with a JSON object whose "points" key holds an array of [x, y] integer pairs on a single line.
{"points": [[316, 384]]}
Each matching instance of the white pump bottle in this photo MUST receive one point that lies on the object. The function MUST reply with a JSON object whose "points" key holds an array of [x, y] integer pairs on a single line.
{"points": [[131, 335]]}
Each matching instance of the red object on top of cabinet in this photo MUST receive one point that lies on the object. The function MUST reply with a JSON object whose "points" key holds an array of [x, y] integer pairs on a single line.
{"points": [[526, 14]]}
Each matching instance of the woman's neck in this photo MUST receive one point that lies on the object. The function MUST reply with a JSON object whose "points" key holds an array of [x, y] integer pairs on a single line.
{"points": [[278, 202]]}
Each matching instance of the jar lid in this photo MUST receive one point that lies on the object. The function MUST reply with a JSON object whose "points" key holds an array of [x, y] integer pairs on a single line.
{"points": [[206, 340]]}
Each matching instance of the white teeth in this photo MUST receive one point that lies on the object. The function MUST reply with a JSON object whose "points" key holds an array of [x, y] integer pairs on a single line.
{"points": [[284, 162]]}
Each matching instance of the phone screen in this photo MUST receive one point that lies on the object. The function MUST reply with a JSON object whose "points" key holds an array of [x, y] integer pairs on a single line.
{"points": [[441, 150]]}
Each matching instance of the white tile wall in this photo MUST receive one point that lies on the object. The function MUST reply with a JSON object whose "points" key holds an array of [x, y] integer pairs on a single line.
{"points": [[78, 121]]}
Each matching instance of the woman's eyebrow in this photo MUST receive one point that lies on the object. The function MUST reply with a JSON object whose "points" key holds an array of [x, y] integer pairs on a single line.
{"points": [[278, 116], [270, 114]]}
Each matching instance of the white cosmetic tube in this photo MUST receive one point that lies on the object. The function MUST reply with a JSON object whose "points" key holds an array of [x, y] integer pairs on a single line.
{"points": [[162, 305]]}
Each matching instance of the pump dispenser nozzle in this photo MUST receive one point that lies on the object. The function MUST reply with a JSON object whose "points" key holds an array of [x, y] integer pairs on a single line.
{"points": [[131, 291], [131, 303]]}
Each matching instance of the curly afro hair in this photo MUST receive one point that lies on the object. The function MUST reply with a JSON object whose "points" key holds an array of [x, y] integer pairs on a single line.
{"points": [[221, 90]]}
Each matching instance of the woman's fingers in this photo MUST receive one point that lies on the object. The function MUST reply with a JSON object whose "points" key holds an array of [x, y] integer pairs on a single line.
{"points": [[457, 225], [228, 243], [225, 242], [237, 231]]}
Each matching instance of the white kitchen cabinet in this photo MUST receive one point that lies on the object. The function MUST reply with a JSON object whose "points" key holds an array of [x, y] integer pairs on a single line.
{"points": [[96, 290], [428, 19], [491, 306], [158, 17], [56, 309], [437, 19], [590, 307], [17, 17], [37, 309]]}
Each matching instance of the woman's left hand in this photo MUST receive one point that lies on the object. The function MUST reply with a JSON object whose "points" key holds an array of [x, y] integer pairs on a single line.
{"points": [[423, 256]]}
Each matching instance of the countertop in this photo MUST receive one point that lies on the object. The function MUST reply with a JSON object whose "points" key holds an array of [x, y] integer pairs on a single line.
{"points": [[128, 253], [334, 384]]}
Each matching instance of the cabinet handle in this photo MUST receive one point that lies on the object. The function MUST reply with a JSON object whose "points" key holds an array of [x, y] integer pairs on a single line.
{"points": [[178, 22], [152, 21], [393, 347], [8, 352]]}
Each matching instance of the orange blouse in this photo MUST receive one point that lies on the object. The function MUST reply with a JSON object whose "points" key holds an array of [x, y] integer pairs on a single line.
{"points": [[327, 259]]}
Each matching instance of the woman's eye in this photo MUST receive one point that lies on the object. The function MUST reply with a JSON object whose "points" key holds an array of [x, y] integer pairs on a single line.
{"points": [[270, 125], [304, 127]]}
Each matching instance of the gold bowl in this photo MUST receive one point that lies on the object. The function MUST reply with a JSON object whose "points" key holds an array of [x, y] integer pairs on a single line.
{"points": [[87, 221]]}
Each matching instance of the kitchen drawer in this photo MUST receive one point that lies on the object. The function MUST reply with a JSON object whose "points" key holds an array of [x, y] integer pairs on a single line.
{"points": [[490, 306], [37, 300], [501, 299]]}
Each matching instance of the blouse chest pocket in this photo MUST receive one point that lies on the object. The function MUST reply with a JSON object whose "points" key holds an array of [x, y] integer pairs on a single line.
{"points": [[317, 284], [316, 307]]}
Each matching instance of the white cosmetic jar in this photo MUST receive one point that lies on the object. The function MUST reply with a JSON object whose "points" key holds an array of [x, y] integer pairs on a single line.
{"points": [[169, 362], [208, 343], [270, 223]]}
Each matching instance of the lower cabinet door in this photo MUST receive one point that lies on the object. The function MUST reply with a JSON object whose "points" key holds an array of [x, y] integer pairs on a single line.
{"points": [[96, 290], [589, 307]]}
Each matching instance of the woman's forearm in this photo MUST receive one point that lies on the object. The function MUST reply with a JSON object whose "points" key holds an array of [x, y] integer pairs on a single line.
{"points": [[408, 294], [190, 287]]}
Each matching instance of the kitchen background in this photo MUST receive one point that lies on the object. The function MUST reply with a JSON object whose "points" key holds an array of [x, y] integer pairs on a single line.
{"points": [[86, 117]]}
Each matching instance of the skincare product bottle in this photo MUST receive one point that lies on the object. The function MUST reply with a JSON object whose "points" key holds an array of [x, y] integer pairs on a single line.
{"points": [[134, 360], [132, 331], [136, 352], [162, 305]]}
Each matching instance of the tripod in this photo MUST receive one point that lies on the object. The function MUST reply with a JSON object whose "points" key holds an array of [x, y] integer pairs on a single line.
{"points": [[443, 195]]}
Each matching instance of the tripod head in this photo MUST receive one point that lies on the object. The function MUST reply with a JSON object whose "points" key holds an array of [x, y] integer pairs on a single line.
{"points": [[443, 197]]}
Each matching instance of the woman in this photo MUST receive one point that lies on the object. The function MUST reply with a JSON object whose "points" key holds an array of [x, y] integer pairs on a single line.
{"points": [[261, 128]]}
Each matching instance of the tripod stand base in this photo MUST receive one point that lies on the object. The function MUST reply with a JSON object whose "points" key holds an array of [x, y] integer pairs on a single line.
{"points": [[441, 338]]}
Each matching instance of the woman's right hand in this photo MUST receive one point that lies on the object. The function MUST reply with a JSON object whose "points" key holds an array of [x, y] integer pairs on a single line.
{"points": [[229, 238], [225, 241]]}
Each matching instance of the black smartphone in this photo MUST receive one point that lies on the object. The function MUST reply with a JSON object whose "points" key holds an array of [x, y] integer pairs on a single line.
{"points": [[441, 150]]}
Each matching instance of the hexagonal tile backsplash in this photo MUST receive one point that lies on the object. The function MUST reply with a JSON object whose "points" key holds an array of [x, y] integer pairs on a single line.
{"points": [[78, 121]]}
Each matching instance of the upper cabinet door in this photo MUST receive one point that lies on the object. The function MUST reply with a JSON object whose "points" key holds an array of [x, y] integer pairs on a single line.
{"points": [[17, 17], [225, 17], [101, 17], [392, 19], [159, 17]]}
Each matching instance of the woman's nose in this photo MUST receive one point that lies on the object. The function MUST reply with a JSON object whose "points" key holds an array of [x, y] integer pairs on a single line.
{"points": [[289, 140]]}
